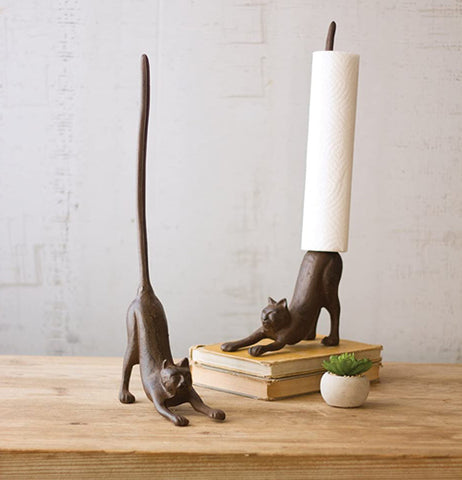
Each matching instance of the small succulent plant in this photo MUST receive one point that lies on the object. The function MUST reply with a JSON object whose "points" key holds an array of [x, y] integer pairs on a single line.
{"points": [[346, 365]]}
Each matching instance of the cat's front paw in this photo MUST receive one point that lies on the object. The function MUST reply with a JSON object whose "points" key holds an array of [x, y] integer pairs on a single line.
{"points": [[217, 414], [330, 341], [257, 350], [180, 421], [228, 347], [126, 397]]}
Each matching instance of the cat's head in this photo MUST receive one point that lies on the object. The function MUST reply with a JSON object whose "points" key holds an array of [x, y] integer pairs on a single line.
{"points": [[176, 377], [275, 315]]}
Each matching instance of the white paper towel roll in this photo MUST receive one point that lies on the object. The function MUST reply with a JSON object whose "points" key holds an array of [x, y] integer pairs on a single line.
{"points": [[326, 215]]}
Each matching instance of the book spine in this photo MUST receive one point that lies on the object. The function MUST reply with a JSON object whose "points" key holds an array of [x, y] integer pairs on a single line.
{"points": [[262, 389]]}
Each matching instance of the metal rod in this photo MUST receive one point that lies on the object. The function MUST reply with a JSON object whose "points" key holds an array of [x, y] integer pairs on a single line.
{"points": [[330, 36]]}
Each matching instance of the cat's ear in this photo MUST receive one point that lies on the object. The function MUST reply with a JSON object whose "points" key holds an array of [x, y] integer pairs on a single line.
{"points": [[184, 363], [283, 303], [271, 301], [164, 364]]}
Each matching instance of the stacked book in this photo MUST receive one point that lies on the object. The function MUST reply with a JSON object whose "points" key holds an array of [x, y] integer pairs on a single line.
{"points": [[294, 370]]}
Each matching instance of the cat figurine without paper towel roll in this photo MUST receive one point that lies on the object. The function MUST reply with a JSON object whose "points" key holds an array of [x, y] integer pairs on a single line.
{"points": [[165, 383]]}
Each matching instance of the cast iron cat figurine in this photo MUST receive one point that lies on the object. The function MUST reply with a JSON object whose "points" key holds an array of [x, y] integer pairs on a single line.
{"points": [[166, 384], [316, 287]]}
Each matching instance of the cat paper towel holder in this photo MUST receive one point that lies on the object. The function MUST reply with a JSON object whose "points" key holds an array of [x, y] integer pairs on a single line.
{"points": [[316, 288]]}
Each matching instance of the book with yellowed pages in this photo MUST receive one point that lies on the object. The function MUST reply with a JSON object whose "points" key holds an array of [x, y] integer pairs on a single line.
{"points": [[303, 358], [259, 387]]}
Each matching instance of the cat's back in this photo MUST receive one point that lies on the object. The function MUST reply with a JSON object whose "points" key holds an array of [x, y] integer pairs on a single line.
{"points": [[316, 264], [152, 326], [316, 271]]}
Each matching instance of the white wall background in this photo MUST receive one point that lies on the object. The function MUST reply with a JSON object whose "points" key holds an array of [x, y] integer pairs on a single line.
{"points": [[226, 169]]}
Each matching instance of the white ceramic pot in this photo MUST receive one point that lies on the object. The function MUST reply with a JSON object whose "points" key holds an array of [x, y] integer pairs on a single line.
{"points": [[345, 392]]}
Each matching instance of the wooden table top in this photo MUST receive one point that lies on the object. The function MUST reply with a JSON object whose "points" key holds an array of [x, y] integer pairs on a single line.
{"points": [[61, 418]]}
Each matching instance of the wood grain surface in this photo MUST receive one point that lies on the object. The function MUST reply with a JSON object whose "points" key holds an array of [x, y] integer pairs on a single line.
{"points": [[60, 417]]}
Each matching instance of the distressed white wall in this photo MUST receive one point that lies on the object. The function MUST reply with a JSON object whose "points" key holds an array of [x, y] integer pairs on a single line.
{"points": [[226, 169]]}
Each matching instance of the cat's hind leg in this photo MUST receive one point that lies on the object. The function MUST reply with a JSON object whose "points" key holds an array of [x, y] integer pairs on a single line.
{"points": [[313, 323], [334, 311], [331, 281], [131, 358]]}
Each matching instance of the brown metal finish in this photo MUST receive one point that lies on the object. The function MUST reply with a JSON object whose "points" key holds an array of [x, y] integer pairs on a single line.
{"points": [[316, 288], [165, 383], [331, 36]]}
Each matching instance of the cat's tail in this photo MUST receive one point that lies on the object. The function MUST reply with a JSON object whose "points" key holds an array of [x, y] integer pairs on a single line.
{"points": [[142, 147]]}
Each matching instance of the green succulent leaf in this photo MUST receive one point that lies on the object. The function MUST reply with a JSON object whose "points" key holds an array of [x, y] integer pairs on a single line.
{"points": [[346, 364]]}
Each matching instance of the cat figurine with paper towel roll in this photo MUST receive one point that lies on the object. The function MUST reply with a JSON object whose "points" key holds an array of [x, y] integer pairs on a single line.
{"points": [[316, 288], [326, 211]]}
